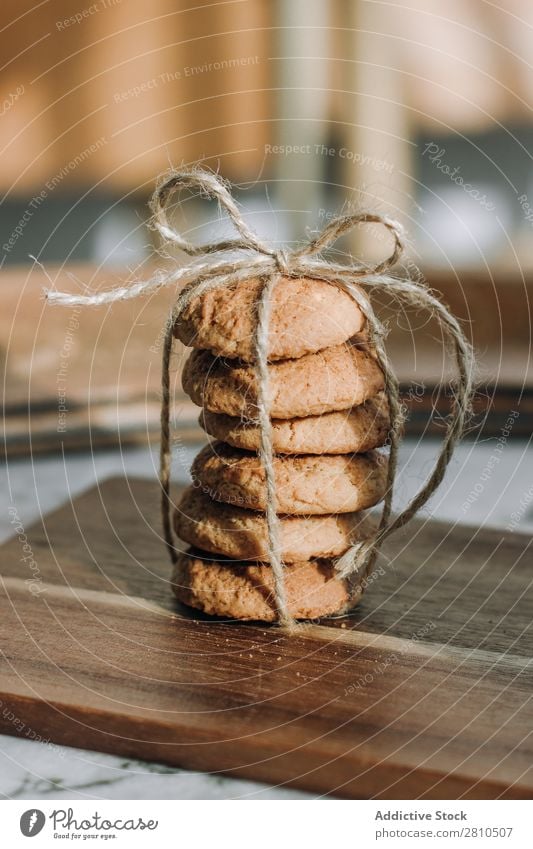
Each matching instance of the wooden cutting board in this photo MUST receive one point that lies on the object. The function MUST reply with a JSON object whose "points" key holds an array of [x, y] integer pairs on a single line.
{"points": [[424, 692]]}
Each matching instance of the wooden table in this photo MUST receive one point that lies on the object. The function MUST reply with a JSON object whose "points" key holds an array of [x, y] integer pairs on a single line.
{"points": [[104, 364]]}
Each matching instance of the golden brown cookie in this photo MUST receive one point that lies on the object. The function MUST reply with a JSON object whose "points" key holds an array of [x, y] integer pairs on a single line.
{"points": [[335, 379], [305, 485], [345, 432], [245, 590], [242, 534], [306, 316]]}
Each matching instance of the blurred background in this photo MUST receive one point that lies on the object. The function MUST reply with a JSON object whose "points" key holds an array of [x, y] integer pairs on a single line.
{"points": [[416, 108]]}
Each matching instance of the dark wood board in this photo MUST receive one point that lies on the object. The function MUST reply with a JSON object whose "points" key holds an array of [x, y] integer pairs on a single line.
{"points": [[425, 691]]}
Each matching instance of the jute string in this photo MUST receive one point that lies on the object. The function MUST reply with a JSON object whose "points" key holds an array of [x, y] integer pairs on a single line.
{"points": [[248, 257]]}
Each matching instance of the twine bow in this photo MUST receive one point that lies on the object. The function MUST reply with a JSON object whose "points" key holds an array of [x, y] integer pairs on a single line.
{"points": [[261, 260]]}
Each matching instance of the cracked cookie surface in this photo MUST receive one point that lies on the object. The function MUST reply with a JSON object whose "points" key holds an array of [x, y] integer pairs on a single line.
{"points": [[337, 378], [344, 432], [246, 590], [305, 485], [306, 315], [242, 534]]}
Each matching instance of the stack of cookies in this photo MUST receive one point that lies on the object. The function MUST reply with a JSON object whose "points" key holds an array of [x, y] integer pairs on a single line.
{"points": [[329, 416]]}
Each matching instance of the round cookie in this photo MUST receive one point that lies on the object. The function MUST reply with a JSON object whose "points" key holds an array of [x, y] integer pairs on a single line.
{"points": [[305, 485], [345, 432], [242, 534], [306, 316], [334, 379], [246, 590]]}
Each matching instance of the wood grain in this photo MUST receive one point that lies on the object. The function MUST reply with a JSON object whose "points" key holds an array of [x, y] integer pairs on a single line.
{"points": [[424, 692]]}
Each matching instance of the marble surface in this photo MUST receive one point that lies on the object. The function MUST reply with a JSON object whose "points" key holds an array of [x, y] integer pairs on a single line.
{"points": [[489, 483]]}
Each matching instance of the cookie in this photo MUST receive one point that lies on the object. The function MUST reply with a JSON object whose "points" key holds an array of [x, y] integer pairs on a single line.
{"points": [[246, 590], [242, 534], [305, 485], [334, 379], [345, 432], [306, 316]]}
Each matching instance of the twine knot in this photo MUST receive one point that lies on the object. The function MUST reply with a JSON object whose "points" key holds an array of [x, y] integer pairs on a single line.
{"points": [[281, 259], [260, 259]]}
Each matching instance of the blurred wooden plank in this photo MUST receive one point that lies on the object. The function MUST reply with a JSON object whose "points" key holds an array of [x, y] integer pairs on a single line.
{"points": [[76, 377], [103, 364], [105, 354], [101, 426]]}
